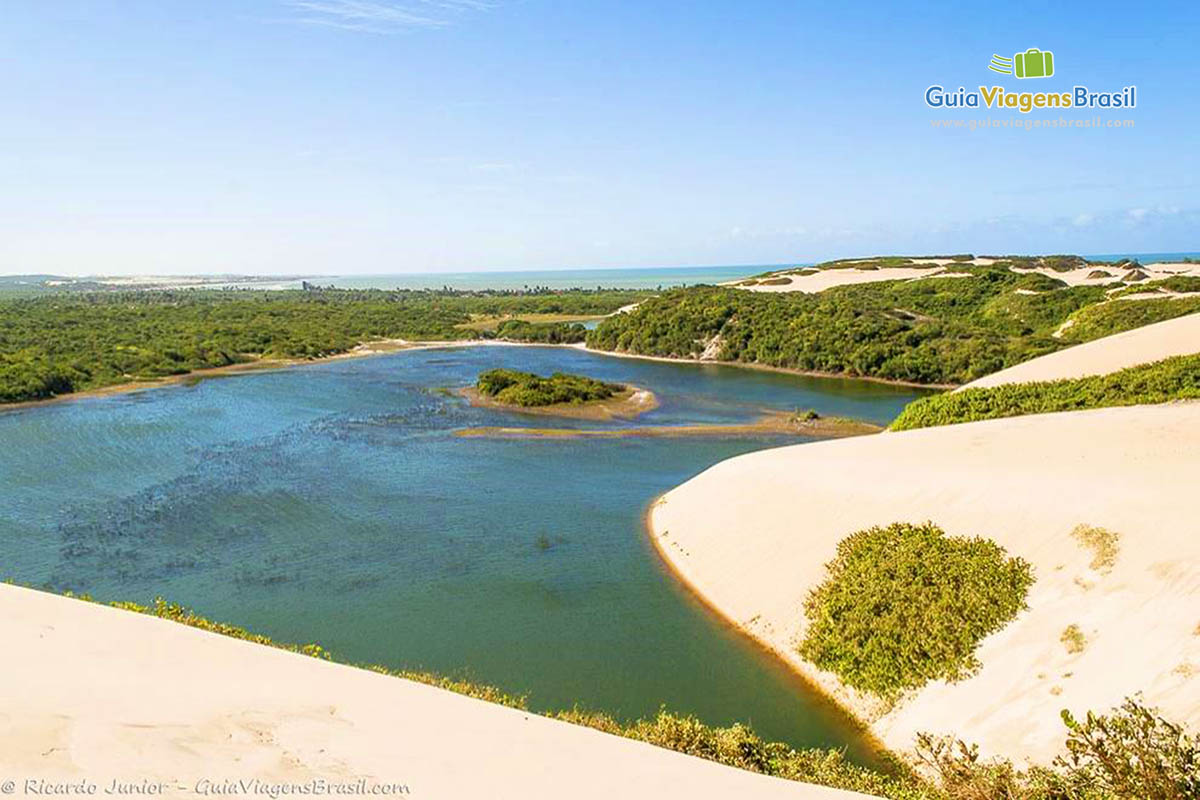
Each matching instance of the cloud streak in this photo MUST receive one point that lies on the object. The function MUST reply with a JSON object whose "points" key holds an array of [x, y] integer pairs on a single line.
{"points": [[367, 16]]}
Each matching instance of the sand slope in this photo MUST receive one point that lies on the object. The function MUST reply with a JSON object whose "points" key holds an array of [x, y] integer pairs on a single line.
{"points": [[752, 534], [93, 692], [1145, 345]]}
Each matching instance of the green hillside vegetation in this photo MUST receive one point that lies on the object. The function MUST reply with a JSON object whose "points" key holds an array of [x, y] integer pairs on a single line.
{"points": [[1185, 284], [932, 331], [907, 604], [1180, 284], [67, 342], [1129, 752], [530, 391], [1105, 319], [1171, 379], [938, 330]]}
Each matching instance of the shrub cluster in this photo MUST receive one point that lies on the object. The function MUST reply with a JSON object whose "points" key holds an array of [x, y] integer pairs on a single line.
{"points": [[1104, 544], [528, 390], [907, 604], [1131, 753], [1175, 378]]}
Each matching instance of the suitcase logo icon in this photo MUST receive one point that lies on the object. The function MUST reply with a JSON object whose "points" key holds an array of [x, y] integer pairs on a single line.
{"points": [[1033, 63]]}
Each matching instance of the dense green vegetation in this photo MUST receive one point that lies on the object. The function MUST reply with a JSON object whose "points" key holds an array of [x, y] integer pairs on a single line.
{"points": [[67, 342], [528, 390], [544, 332], [1179, 283], [1182, 284], [906, 604], [938, 330], [1171, 379], [1129, 753], [1106, 319]]}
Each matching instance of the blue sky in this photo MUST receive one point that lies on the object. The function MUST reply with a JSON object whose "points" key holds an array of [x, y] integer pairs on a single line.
{"points": [[345, 136]]}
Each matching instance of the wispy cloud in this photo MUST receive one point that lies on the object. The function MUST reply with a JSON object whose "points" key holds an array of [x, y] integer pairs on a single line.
{"points": [[365, 16]]}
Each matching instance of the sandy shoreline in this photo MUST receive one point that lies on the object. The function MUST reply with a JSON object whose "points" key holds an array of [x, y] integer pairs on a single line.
{"points": [[832, 705], [790, 506], [110, 694]]}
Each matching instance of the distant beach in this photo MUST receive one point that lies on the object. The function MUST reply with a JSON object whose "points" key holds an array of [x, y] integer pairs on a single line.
{"points": [[632, 278]]}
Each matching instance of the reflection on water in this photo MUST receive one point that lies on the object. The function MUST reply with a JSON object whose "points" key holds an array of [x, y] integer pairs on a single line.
{"points": [[333, 503]]}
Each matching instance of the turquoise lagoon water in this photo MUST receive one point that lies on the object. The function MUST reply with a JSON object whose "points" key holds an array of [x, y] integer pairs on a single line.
{"points": [[332, 502]]}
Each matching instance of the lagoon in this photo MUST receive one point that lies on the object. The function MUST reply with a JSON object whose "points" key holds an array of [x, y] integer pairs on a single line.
{"points": [[332, 502]]}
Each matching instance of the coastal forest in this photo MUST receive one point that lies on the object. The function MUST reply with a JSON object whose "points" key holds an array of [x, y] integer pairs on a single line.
{"points": [[68, 342]]}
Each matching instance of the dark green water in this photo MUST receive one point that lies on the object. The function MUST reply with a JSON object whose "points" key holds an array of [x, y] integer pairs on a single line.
{"points": [[333, 503]]}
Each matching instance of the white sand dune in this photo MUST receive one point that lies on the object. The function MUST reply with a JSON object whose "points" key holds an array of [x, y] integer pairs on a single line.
{"points": [[94, 693], [847, 276], [752, 535], [1080, 277], [1145, 345], [828, 278]]}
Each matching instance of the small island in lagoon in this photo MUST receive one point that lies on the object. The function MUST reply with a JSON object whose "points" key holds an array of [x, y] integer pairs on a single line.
{"points": [[560, 394], [580, 397]]}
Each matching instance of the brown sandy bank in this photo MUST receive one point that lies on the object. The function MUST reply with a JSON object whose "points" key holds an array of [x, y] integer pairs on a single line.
{"points": [[769, 424]]}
